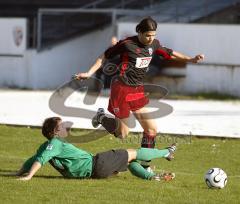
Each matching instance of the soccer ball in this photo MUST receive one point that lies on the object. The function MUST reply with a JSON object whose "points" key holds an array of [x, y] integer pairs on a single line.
{"points": [[216, 178]]}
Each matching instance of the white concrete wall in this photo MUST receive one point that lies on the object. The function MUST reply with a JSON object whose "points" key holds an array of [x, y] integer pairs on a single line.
{"points": [[13, 72], [205, 118], [225, 80], [51, 68], [205, 79], [13, 37]]}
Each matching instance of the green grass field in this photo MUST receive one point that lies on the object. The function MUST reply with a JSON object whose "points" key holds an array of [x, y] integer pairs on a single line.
{"points": [[193, 158]]}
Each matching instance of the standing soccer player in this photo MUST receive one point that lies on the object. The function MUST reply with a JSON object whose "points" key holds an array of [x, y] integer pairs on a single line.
{"points": [[127, 90]]}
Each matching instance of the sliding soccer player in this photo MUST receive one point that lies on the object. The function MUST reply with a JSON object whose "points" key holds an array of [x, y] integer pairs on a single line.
{"points": [[73, 162]]}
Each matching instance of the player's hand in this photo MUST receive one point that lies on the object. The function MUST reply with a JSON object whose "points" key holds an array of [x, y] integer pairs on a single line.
{"points": [[197, 58], [24, 178], [79, 76]]}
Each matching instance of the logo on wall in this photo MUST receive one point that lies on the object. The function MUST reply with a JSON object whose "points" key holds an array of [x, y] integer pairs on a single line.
{"points": [[17, 35]]}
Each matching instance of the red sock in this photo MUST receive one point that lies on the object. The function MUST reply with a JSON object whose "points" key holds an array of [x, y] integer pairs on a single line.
{"points": [[148, 140]]}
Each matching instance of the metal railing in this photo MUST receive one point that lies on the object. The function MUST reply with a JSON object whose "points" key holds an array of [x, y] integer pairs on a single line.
{"points": [[112, 12], [168, 11]]}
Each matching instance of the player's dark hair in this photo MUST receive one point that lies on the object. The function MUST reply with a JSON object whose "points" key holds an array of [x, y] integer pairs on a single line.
{"points": [[146, 24], [49, 126]]}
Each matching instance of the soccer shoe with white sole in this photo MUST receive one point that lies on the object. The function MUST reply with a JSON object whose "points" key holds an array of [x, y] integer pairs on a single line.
{"points": [[171, 150], [149, 169], [96, 119], [166, 176], [146, 166]]}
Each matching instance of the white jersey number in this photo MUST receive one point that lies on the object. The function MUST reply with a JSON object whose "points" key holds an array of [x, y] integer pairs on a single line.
{"points": [[143, 62]]}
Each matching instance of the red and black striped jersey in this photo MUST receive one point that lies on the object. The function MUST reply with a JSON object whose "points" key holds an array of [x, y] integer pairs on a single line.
{"points": [[135, 58]]}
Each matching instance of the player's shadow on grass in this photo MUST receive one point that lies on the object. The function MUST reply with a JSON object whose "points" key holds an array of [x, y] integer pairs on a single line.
{"points": [[6, 170], [7, 173], [49, 177]]}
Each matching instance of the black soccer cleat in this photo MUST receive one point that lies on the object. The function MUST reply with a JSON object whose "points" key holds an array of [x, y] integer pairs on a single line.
{"points": [[110, 124], [96, 119]]}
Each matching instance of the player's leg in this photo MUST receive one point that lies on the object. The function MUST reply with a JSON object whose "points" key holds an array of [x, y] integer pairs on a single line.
{"points": [[123, 129], [119, 107], [137, 170], [117, 127], [145, 154], [149, 127], [110, 124], [106, 164], [149, 131]]}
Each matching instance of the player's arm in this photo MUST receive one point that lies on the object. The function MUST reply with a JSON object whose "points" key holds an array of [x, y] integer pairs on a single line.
{"points": [[35, 167], [45, 153], [167, 54], [98, 63], [25, 167], [108, 54], [181, 57]]}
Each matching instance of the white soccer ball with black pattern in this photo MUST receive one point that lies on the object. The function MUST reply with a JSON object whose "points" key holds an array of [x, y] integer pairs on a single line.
{"points": [[216, 178]]}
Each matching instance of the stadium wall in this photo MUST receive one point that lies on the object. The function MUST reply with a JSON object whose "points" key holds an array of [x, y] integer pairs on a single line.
{"points": [[50, 68], [13, 37]]}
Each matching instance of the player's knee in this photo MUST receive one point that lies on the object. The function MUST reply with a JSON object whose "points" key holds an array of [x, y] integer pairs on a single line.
{"points": [[151, 131], [132, 154], [122, 133]]}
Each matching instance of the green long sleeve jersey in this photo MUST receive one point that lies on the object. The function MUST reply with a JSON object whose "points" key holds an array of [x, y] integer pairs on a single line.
{"points": [[69, 160]]}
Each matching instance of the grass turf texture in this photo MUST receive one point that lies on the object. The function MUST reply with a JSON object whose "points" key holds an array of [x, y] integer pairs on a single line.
{"points": [[193, 158]]}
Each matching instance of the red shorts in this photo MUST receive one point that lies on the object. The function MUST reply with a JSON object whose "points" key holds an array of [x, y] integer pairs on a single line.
{"points": [[124, 98]]}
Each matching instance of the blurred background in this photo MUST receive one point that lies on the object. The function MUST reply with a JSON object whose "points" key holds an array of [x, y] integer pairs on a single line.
{"points": [[44, 42]]}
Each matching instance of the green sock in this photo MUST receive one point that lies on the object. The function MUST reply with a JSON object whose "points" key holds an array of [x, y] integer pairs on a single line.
{"points": [[146, 154], [137, 170]]}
